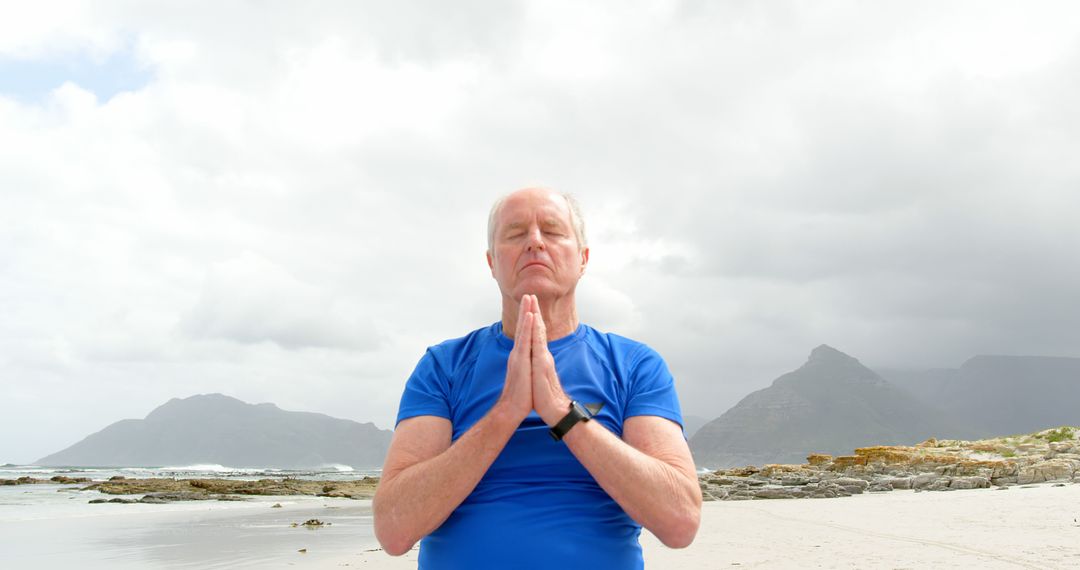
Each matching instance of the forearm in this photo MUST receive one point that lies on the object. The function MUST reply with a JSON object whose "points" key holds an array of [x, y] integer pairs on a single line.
{"points": [[415, 501], [660, 496]]}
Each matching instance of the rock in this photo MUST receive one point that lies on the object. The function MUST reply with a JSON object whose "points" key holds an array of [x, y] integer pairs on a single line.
{"points": [[853, 486], [1063, 447], [974, 482], [845, 461], [115, 500], [923, 481], [941, 484], [900, 482], [1043, 471], [312, 523], [879, 487], [773, 493], [818, 459], [169, 497], [64, 480], [117, 478], [275, 506]]}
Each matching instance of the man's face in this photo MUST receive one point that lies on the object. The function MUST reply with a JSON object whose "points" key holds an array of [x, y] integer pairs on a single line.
{"points": [[535, 250]]}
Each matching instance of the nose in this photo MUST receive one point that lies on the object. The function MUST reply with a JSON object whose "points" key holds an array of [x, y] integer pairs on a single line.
{"points": [[536, 241]]}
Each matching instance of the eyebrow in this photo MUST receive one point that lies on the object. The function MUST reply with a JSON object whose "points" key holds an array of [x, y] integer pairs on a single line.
{"points": [[547, 223]]}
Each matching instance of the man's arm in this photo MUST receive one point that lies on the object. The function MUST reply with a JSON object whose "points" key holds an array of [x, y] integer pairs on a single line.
{"points": [[649, 472], [425, 477]]}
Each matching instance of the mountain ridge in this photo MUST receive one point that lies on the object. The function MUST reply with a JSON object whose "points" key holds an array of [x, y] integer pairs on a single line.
{"points": [[219, 429]]}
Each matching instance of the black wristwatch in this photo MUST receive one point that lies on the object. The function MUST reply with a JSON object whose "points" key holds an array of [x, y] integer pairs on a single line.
{"points": [[578, 413]]}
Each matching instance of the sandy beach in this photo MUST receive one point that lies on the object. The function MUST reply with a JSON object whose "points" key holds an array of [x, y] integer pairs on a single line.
{"points": [[1035, 526], [1021, 527]]}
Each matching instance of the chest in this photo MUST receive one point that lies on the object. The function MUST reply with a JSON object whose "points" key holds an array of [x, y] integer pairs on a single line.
{"points": [[585, 376]]}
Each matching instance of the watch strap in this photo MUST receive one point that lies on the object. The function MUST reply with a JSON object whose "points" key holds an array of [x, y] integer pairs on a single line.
{"points": [[577, 413]]}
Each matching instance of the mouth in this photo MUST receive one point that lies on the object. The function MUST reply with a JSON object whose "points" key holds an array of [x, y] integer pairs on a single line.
{"points": [[534, 264]]}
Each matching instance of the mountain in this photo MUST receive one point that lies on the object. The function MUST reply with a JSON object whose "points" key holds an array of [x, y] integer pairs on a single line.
{"points": [[832, 404], [217, 429], [1000, 394]]}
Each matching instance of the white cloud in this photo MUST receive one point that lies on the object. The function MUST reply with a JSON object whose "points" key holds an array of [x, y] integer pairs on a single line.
{"points": [[293, 207], [251, 300]]}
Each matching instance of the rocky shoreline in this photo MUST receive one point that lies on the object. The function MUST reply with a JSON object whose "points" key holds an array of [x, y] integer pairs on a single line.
{"points": [[160, 490], [1050, 456]]}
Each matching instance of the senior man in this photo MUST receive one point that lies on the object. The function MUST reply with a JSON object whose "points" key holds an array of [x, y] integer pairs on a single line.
{"points": [[537, 442]]}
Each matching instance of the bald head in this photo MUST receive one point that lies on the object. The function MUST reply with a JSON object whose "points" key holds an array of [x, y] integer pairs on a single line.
{"points": [[576, 221]]}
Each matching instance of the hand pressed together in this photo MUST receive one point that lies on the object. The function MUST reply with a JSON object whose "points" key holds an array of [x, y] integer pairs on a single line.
{"points": [[531, 380]]}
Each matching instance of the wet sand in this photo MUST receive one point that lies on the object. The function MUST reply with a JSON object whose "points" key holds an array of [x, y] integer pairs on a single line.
{"points": [[190, 534]]}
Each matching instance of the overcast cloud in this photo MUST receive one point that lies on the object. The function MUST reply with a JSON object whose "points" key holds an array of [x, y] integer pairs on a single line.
{"points": [[286, 202]]}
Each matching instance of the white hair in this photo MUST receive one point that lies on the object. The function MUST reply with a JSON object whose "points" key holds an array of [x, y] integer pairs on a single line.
{"points": [[576, 220]]}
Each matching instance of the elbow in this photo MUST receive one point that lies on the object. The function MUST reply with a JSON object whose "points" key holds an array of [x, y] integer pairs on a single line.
{"points": [[680, 533], [393, 540], [392, 543], [395, 547], [682, 526]]}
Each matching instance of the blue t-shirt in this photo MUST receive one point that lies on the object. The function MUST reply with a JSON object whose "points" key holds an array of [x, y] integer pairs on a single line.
{"points": [[537, 506]]}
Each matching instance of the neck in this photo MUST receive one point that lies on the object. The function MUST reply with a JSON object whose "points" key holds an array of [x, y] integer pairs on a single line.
{"points": [[560, 315]]}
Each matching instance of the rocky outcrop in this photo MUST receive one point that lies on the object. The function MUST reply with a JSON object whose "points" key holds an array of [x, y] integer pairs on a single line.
{"points": [[59, 479], [945, 465], [167, 490], [171, 490]]}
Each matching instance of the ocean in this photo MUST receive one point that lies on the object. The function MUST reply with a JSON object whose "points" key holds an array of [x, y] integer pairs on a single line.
{"points": [[54, 526]]}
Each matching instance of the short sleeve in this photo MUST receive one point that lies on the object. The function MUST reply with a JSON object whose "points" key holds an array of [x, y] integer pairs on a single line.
{"points": [[426, 391], [652, 388]]}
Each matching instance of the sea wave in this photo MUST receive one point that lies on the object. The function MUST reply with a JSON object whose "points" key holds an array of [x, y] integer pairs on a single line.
{"points": [[338, 467], [209, 468]]}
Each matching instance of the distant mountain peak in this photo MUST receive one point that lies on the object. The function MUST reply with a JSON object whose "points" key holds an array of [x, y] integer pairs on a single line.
{"points": [[826, 353], [832, 402]]}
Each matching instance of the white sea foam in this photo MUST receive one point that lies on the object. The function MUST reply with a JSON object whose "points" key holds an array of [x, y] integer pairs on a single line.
{"points": [[209, 468], [339, 467]]}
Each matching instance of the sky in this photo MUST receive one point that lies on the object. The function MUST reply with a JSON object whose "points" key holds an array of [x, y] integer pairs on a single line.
{"points": [[287, 202]]}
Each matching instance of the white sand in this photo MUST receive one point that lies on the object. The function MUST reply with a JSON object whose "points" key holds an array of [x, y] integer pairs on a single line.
{"points": [[1033, 527]]}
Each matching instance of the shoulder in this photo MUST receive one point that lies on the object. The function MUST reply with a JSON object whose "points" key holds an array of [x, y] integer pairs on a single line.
{"points": [[620, 348], [449, 354]]}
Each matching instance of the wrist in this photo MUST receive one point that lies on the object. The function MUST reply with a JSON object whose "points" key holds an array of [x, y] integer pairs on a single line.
{"points": [[576, 414], [505, 412], [557, 411]]}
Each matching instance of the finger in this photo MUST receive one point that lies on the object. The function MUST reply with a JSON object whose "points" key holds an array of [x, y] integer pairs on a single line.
{"points": [[523, 309], [539, 335], [524, 341]]}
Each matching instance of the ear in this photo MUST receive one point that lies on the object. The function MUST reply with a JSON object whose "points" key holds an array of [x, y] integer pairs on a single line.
{"points": [[584, 260], [491, 262]]}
